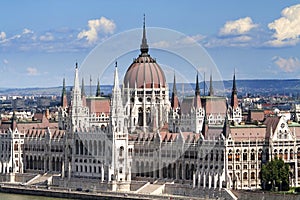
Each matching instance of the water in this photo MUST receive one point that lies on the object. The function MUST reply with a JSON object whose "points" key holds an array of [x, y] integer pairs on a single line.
{"points": [[6, 196]]}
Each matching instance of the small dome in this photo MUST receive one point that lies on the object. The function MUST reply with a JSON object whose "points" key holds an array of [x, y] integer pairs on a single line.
{"points": [[144, 69]]}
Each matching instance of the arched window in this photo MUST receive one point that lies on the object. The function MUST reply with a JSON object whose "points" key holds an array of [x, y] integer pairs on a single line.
{"points": [[245, 155], [237, 155], [245, 177], [291, 154], [252, 154], [252, 175], [286, 154], [230, 156], [121, 151]]}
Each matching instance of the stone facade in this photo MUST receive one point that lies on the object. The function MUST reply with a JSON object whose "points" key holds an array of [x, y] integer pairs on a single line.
{"points": [[140, 134]]}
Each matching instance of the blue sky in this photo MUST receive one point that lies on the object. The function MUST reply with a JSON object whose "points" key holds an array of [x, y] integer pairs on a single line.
{"points": [[41, 40]]}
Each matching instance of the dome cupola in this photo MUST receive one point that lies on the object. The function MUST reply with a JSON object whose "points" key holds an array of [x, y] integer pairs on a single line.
{"points": [[144, 71]]}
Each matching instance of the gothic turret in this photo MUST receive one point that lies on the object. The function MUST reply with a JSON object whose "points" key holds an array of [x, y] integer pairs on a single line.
{"points": [[83, 96], [174, 99], [79, 113], [211, 89], [198, 116], [234, 99], [197, 99], [13, 121], [98, 94], [119, 134], [234, 111], [64, 100]]}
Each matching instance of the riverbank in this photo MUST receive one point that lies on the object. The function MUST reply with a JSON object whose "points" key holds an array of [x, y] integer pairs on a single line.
{"points": [[62, 193]]}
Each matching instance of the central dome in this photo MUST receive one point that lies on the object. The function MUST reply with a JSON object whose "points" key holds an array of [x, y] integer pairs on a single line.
{"points": [[144, 70]]}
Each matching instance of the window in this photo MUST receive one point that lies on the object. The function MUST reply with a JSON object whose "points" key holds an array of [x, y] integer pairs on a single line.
{"points": [[237, 156], [252, 175], [244, 156], [121, 151], [245, 177], [252, 156]]}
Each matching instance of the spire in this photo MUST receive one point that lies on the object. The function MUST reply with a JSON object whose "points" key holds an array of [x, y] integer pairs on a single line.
{"points": [[144, 45], [76, 91], [64, 101], [174, 85], [234, 100], [116, 77], [98, 94], [197, 90], [197, 99], [83, 93], [13, 121], [82, 88], [211, 89], [64, 88], [234, 91], [76, 79], [174, 100]]}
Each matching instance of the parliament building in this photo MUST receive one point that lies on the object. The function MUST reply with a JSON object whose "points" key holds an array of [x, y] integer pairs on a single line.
{"points": [[144, 134]]}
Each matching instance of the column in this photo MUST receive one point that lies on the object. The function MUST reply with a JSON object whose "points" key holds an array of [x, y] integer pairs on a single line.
{"points": [[154, 170], [177, 171], [296, 171], [215, 180], [45, 164], [183, 172], [63, 169], [209, 180], [102, 173], [199, 179], [50, 164], [161, 172], [69, 170], [220, 181], [204, 180], [194, 179]]}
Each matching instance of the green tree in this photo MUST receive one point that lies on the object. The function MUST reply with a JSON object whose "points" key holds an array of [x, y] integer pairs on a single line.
{"points": [[275, 173]]}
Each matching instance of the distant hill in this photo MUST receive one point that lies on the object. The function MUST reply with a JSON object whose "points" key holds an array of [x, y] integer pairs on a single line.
{"points": [[253, 87], [266, 87]]}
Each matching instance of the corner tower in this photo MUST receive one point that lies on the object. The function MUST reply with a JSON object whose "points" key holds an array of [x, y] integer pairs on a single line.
{"points": [[234, 111]]}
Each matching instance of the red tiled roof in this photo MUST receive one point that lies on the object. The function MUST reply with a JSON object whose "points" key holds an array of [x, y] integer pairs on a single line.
{"points": [[98, 105], [271, 123]]}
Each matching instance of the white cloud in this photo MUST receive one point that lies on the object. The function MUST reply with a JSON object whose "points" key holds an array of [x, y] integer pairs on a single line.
{"points": [[31, 71], [2, 35], [238, 27], [161, 44], [287, 28], [191, 39], [238, 41], [96, 26], [47, 37], [186, 40], [5, 61], [26, 31], [287, 65]]}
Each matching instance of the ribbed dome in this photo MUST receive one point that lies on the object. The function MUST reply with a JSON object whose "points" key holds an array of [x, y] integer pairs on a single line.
{"points": [[144, 69]]}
